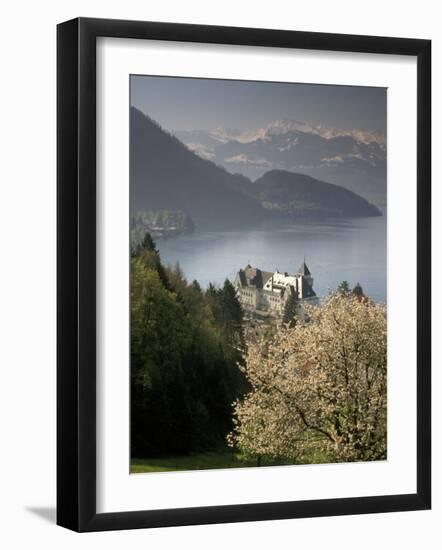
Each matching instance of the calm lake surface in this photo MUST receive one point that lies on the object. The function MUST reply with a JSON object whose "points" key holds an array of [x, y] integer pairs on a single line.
{"points": [[352, 249]]}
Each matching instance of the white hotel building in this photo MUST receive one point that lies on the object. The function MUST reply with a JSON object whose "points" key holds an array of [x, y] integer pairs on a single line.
{"points": [[265, 293]]}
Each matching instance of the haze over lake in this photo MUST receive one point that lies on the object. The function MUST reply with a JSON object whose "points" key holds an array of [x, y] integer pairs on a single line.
{"points": [[352, 249]]}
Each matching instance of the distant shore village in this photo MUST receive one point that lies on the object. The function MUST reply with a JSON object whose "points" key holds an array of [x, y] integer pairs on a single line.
{"points": [[264, 294]]}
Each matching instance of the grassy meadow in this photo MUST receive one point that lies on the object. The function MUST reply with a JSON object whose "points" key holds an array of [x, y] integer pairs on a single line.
{"points": [[207, 461]]}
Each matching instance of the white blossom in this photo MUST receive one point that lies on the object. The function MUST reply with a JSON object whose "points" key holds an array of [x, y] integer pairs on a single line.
{"points": [[319, 390]]}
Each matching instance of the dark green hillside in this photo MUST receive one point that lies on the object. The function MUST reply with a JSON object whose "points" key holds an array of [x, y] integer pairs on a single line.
{"points": [[186, 348], [165, 175], [300, 195]]}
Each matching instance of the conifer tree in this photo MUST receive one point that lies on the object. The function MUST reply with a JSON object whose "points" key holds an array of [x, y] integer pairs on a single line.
{"points": [[290, 310], [150, 255], [358, 291], [344, 288], [149, 244]]}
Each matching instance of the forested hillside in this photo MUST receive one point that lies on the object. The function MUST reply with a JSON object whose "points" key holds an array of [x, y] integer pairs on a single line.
{"points": [[165, 175], [301, 196], [186, 345]]}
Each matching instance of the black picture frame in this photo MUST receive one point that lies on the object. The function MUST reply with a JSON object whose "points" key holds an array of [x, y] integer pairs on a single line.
{"points": [[76, 274]]}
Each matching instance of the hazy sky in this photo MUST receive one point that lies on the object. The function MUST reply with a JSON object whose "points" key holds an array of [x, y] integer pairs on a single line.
{"points": [[203, 104]]}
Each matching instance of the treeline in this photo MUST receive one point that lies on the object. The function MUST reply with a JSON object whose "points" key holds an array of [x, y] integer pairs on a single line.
{"points": [[161, 223], [186, 345]]}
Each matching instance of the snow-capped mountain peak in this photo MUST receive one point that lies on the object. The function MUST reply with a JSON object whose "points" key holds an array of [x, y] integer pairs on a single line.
{"points": [[289, 126], [232, 134], [281, 127], [354, 158]]}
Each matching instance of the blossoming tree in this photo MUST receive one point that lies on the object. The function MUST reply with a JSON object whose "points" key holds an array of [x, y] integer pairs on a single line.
{"points": [[319, 390]]}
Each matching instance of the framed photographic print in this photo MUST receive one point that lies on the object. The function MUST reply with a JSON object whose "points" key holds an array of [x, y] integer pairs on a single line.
{"points": [[243, 274]]}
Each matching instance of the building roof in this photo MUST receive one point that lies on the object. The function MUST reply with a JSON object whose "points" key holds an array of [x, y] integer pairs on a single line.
{"points": [[304, 270], [242, 277], [307, 290], [253, 276]]}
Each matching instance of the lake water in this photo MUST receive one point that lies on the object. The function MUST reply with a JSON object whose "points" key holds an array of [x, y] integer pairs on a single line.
{"points": [[352, 249]]}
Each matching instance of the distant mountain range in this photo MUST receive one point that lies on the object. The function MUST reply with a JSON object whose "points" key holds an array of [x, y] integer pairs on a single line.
{"points": [[354, 159], [166, 175]]}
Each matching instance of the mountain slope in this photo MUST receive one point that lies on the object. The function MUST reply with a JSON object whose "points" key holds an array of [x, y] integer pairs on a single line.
{"points": [[298, 195], [166, 175], [353, 159]]}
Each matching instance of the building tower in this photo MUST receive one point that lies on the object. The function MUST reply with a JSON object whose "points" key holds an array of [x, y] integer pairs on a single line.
{"points": [[306, 281]]}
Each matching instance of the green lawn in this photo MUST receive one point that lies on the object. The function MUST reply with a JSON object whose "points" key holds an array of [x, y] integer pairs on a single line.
{"points": [[199, 461]]}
